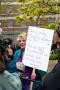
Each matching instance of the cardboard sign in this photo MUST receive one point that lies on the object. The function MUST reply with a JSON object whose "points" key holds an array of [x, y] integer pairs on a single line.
{"points": [[38, 46]]}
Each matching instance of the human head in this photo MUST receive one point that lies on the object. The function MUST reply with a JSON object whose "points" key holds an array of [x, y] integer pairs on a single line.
{"points": [[57, 34], [22, 39]]}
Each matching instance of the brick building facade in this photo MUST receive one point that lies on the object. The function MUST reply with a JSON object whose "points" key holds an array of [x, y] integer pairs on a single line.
{"points": [[8, 15]]}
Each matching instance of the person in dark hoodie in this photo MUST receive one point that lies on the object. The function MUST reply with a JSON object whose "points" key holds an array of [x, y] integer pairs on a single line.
{"points": [[52, 79]]}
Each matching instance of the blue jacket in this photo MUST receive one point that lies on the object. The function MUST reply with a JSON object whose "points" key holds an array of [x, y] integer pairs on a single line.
{"points": [[11, 64], [9, 82]]}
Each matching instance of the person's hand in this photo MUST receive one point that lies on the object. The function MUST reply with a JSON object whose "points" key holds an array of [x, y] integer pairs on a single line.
{"points": [[10, 51], [33, 76]]}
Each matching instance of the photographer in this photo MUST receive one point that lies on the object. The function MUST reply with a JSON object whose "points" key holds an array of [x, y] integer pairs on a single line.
{"points": [[7, 80]]}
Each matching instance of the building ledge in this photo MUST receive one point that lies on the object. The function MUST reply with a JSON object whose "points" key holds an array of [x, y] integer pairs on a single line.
{"points": [[10, 3]]}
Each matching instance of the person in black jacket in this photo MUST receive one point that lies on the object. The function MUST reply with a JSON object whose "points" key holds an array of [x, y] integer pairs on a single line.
{"points": [[52, 79]]}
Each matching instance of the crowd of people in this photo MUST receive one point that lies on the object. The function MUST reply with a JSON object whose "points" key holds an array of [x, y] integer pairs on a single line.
{"points": [[14, 75]]}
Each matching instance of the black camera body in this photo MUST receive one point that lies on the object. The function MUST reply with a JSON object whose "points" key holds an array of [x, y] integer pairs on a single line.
{"points": [[4, 43]]}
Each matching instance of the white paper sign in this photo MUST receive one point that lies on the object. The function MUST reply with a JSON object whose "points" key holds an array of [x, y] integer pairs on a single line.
{"points": [[38, 46]]}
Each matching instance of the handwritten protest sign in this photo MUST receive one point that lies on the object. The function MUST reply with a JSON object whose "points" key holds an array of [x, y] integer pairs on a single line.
{"points": [[38, 46]]}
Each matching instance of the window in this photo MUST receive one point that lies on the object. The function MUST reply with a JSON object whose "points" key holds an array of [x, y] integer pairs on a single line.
{"points": [[9, 9], [49, 19], [23, 24], [10, 23]]}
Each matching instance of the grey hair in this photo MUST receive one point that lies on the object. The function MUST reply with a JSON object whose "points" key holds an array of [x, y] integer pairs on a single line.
{"points": [[22, 35]]}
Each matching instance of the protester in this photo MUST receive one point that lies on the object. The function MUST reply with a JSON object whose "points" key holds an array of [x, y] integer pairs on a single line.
{"points": [[16, 67], [52, 79], [10, 66], [7, 80], [25, 70]]}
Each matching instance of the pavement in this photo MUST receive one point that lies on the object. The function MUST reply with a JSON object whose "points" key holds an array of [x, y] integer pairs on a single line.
{"points": [[51, 64]]}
